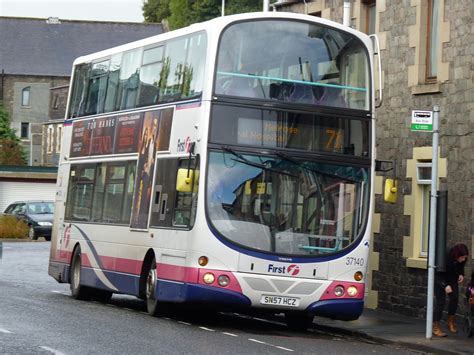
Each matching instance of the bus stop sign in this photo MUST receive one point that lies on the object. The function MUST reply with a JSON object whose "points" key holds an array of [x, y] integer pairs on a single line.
{"points": [[421, 121]]}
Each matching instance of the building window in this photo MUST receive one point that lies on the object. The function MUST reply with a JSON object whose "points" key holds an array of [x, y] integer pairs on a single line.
{"points": [[59, 137], [55, 101], [423, 178], [370, 14], [25, 96], [25, 130], [432, 40], [49, 139]]}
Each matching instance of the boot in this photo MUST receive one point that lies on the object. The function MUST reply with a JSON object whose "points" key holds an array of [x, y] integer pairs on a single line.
{"points": [[437, 330], [452, 324]]}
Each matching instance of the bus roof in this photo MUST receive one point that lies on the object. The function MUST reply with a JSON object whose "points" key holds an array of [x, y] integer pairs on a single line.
{"points": [[216, 25]]}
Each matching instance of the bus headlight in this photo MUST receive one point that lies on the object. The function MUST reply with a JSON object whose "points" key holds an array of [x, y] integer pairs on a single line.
{"points": [[208, 278], [223, 280], [339, 291], [352, 291]]}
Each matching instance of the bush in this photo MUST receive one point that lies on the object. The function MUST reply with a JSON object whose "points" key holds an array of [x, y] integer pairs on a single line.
{"points": [[11, 227]]}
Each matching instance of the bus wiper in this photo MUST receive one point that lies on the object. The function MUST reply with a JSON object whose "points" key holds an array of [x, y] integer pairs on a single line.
{"points": [[260, 85], [298, 163], [243, 160]]}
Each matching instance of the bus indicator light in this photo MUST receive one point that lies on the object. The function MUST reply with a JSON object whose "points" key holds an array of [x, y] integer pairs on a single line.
{"points": [[203, 260], [358, 276]]}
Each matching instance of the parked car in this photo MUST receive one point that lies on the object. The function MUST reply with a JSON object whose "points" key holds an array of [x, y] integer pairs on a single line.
{"points": [[37, 214]]}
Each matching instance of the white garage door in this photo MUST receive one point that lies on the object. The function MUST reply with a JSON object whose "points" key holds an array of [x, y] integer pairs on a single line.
{"points": [[11, 191]]}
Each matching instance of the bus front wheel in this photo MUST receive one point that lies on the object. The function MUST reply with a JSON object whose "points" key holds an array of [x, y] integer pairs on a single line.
{"points": [[78, 291], [150, 290]]}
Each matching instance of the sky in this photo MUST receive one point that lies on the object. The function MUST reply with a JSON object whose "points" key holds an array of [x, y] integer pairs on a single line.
{"points": [[92, 10]]}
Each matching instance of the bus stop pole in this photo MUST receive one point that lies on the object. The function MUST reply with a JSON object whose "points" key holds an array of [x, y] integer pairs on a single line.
{"points": [[432, 238]]}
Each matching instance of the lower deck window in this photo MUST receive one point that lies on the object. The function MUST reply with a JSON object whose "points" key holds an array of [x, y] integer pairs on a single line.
{"points": [[101, 192]]}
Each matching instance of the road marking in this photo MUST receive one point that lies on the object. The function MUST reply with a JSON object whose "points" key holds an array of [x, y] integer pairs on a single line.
{"points": [[55, 352], [282, 348], [209, 330], [5, 331], [264, 343], [185, 323], [230, 334]]}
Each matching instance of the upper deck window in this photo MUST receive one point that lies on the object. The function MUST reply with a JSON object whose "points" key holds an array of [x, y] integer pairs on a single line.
{"points": [[294, 62], [165, 71]]}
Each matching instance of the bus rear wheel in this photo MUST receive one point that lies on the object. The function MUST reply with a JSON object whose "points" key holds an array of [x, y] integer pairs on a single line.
{"points": [[78, 291], [150, 290]]}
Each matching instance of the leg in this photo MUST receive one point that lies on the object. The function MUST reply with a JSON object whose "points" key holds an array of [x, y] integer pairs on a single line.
{"points": [[452, 307], [453, 301], [440, 298]]}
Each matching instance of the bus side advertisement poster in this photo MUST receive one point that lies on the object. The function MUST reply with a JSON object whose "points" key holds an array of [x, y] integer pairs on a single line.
{"points": [[155, 136], [109, 135]]}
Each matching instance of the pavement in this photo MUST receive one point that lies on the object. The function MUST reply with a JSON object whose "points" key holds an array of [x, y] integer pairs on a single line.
{"points": [[394, 329]]}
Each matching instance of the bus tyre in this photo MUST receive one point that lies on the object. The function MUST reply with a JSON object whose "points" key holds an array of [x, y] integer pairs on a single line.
{"points": [[298, 321], [150, 289], [78, 291]]}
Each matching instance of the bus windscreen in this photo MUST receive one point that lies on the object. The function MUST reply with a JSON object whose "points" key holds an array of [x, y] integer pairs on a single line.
{"points": [[291, 61]]}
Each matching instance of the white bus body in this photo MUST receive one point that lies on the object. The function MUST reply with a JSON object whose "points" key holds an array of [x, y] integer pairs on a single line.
{"points": [[250, 200]]}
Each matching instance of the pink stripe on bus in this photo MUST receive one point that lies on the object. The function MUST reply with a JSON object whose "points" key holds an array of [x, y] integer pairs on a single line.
{"points": [[164, 271]]}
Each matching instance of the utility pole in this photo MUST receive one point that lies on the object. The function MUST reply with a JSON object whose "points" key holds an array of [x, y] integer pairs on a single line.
{"points": [[432, 239], [266, 5]]}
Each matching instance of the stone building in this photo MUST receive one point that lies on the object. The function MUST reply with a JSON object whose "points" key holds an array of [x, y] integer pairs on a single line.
{"points": [[427, 55], [36, 57]]}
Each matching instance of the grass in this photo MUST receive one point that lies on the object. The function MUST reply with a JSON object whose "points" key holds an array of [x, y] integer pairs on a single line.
{"points": [[10, 227]]}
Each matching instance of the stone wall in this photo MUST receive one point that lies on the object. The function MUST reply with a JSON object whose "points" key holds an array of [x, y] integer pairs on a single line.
{"points": [[402, 288]]}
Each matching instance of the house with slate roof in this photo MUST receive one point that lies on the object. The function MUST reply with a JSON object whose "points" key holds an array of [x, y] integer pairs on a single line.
{"points": [[36, 57]]}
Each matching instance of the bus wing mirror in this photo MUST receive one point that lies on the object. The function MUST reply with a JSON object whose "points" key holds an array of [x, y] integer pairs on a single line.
{"points": [[390, 191], [184, 180]]}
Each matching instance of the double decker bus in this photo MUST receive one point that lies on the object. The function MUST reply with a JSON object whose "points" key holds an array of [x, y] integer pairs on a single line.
{"points": [[229, 163]]}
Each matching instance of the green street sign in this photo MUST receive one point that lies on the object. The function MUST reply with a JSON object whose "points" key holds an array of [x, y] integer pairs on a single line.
{"points": [[422, 121]]}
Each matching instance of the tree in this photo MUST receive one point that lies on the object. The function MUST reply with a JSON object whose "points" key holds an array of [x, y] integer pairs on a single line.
{"points": [[181, 13], [156, 10], [11, 150], [241, 6]]}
